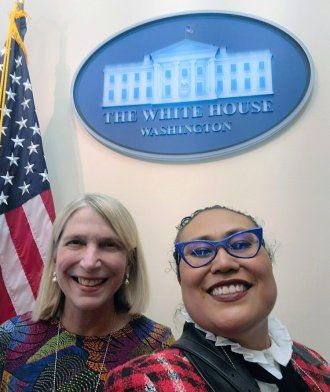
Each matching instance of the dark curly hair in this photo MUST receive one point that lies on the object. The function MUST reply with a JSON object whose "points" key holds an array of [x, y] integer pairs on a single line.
{"points": [[186, 220]]}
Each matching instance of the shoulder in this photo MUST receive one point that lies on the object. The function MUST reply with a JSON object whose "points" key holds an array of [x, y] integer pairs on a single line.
{"points": [[10, 325], [307, 354], [20, 326], [22, 322], [145, 322], [170, 356], [156, 372], [312, 367], [12, 332], [145, 328]]}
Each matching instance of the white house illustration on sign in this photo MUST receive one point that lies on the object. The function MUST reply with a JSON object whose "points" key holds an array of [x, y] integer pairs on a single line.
{"points": [[188, 71]]}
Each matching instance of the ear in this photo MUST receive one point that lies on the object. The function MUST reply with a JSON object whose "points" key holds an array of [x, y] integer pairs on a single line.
{"points": [[131, 256], [54, 257], [128, 265], [178, 274], [176, 258]]}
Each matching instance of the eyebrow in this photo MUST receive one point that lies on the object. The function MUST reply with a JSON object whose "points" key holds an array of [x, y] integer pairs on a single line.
{"points": [[83, 237], [226, 234]]}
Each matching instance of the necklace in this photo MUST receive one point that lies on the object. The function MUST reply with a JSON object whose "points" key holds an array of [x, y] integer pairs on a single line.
{"points": [[228, 357], [104, 356]]}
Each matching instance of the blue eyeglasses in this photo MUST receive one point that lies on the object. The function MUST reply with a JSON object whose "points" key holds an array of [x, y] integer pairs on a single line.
{"points": [[198, 253]]}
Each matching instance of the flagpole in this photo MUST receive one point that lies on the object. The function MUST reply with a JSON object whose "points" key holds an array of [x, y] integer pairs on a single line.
{"points": [[13, 33]]}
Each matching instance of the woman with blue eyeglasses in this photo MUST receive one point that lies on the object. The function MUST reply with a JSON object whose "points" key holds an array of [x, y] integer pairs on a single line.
{"points": [[230, 342]]}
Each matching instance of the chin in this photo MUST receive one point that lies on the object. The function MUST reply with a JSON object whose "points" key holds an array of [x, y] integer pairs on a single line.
{"points": [[89, 306], [230, 328]]}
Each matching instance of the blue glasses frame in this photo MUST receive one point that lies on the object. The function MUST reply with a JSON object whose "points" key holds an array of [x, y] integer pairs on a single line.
{"points": [[179, 246]]}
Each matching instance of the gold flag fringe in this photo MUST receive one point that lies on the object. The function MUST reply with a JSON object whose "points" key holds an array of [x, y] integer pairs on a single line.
{"points": [[13, 33]]}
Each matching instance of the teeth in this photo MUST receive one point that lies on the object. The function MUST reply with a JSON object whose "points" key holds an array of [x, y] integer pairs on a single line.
{"points": [[231, 289], [89, 282]]}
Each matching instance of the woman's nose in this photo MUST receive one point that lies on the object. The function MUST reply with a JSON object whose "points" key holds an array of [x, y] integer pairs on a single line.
{"points": [[90, 258], [224, 262]]}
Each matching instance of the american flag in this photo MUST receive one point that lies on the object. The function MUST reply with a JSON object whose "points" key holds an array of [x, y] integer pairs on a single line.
{"points": [[26, 204]]}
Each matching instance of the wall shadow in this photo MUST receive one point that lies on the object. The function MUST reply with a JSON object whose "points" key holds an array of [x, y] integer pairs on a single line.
{"points": [[60, 136]]}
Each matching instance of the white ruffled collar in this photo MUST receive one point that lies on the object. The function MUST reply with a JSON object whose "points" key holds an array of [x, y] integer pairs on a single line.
{"points": [[279, 353]]}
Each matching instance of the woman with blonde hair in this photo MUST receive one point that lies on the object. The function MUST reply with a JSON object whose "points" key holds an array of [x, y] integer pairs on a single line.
{"points": [[87, 316]]}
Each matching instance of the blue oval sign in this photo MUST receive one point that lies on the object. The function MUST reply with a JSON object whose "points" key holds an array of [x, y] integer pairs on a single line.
{"points": [[192, 87]]}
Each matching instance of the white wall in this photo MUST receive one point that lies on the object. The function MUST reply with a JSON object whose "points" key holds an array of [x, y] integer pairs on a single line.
{"points": [[284, 182]]}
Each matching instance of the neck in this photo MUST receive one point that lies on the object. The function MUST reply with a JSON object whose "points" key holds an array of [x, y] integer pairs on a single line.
{"points": [[256, 338], [254, 343], [89, 323]]}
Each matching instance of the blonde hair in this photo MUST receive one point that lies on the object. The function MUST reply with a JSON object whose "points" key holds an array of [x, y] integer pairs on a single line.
{"points": [[132, 298]]}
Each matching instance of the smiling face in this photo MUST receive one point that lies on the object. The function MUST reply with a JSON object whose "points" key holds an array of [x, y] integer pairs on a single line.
{"points": [[230, 297], [91, 263]]}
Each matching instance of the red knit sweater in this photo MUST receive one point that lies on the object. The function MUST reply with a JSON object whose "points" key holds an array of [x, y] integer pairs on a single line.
{"points": [[170, 371]]}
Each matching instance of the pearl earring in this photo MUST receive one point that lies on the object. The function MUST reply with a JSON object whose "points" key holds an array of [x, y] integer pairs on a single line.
{"points": [[54, 279], [127, 279]]}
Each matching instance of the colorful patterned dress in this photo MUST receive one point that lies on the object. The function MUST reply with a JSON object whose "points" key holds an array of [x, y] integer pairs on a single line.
{"points": [[28, 351]]}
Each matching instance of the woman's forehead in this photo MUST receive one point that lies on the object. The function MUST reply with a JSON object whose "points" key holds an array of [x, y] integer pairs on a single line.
{"points": [[215, 223], [87, 218]]}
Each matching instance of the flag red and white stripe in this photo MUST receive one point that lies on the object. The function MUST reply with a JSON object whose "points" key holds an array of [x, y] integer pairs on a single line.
{"points": [[26, 204], [24, 242]]}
